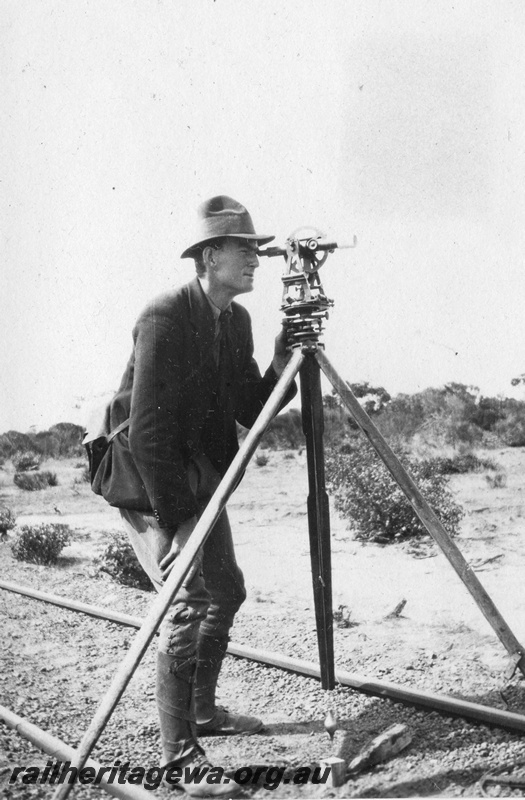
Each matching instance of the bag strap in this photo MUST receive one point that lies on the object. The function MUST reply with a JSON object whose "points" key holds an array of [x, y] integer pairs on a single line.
{"points": [[121, 427]]}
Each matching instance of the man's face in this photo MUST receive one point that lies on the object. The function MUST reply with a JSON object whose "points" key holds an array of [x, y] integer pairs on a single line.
{"points": [[235, 265]]}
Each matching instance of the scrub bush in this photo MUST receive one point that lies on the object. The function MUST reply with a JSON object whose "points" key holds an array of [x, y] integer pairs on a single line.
{"points": [[120, 562], [458, 464], [40, 544], [7, 520], [497, 481], [84, 477], [367, 496], [285, 431], [512, 429], [24, 462], [34, 481], [13, 442]]}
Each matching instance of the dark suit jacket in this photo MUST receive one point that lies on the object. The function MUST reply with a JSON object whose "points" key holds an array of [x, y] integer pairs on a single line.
{"points": [[169, 383]]}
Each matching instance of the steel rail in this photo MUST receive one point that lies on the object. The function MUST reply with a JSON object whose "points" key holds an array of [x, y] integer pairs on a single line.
{"points": [[60, 750], [436, 702]]}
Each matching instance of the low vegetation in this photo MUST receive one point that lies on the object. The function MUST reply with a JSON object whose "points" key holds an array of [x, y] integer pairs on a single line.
{"points": [[63, 440], [120, 562], [35, 481], [367, 496], [40, 544], [84, 477], [454, 416], [26, 461], [435, 432], [7, 520], [497, 481], [285, 432], [458, 464]]}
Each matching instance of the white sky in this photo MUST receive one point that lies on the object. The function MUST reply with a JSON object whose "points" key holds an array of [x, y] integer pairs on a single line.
{"points": [[400, 122]]}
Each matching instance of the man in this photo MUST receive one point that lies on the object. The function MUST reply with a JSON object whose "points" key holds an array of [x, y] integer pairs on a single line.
{"points": [[190, 378]]}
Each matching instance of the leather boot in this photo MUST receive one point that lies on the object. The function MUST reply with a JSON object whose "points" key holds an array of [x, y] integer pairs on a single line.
{"points": [[211, 651], [175, 684], [211, 719]]}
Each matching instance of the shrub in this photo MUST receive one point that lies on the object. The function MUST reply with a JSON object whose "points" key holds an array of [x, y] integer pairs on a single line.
{"points": [[512, 429], [457, 465], [454, 414], [343, 617], [24, 462], [40, 544], [120, 562], [497, 481], [34, 481], [46, 443], [443, 430], [63, 440], [261, 459], [285, 431], [365, 493], [402, 419], [84, 476], [7, 520], [14, 442], [50, 477], [69, 437]]}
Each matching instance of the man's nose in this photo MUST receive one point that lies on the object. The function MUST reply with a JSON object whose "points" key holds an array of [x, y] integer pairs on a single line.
{"points": [[254, 259]]}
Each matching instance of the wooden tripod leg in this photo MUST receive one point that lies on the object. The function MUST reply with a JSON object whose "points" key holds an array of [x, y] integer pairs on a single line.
{"points": [[426, 514], [318, 516], [182, 566]]}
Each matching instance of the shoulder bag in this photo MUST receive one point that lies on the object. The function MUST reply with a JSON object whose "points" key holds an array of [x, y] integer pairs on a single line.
{"points": [[112, 471]]}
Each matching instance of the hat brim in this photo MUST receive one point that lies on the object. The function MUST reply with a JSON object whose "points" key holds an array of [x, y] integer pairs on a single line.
{"points": [[190, 252]]}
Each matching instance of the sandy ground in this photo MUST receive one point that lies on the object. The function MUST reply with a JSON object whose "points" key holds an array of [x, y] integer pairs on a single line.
{"points": [[441, 642]]}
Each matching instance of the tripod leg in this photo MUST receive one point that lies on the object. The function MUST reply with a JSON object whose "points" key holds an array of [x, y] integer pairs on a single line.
{"points": [[318, 516], [426, 515], [182, 566]]}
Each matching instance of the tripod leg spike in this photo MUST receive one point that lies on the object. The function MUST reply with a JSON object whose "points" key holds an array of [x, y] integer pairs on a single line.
{"points": [[334, 762], [331, 724]]}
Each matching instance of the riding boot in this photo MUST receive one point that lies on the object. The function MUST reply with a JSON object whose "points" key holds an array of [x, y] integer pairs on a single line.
{"points": [[175, 687], [211, 651], [213, 720], [175, 682]]}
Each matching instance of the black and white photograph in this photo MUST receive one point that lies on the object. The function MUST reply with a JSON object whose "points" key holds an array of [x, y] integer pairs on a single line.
{"points": [[262, 407]]}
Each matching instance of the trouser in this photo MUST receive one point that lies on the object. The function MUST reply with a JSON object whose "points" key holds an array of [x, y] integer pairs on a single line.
{"points": [[194, 633]]}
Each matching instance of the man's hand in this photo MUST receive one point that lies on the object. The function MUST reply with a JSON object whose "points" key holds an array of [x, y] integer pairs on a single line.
{"points": [[281, 355], [181, 536]]}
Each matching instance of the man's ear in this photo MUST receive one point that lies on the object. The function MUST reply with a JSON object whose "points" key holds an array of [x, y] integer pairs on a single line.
{"points": [[208, 257]]}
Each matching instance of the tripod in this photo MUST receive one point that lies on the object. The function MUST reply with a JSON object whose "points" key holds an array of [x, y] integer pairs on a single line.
{"points": [[305, 307]]}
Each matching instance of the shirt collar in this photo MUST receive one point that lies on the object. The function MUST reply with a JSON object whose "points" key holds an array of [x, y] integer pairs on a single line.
{"points": [[216, 311]]}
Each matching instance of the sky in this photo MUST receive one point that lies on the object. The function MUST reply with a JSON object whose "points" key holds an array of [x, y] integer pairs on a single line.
{"points": [[400, 123]]}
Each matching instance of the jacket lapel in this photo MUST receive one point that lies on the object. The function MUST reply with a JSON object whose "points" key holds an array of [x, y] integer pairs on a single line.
{"points": [[203, 325]]}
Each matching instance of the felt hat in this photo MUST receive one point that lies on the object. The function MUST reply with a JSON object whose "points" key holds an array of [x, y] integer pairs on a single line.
{"points": [[222, 216]]}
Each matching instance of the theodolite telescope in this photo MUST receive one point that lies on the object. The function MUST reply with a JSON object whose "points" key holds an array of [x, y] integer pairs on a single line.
{"points": [[304, 303]]}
